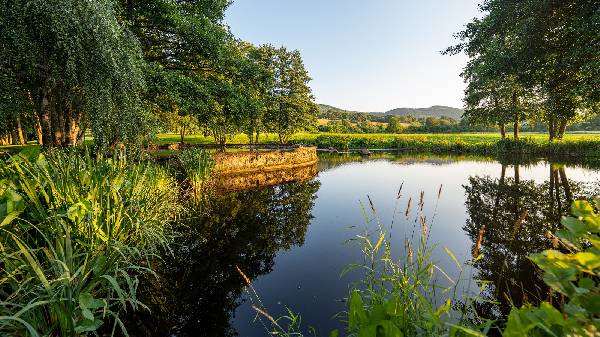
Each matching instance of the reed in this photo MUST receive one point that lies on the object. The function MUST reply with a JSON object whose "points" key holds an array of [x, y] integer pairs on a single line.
{"points": [[405, 296], [197, 165], [75, 233]]}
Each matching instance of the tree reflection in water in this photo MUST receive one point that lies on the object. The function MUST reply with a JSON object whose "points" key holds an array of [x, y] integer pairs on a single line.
{"points": [[198, 287], [499, 204]]}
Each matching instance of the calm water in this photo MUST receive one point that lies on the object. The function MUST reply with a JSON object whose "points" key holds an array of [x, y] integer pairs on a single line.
{"points": [[290, 239]]}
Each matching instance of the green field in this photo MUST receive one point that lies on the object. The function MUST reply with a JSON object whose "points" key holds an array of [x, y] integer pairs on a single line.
{"points": [[311, 137], [577, 144]]}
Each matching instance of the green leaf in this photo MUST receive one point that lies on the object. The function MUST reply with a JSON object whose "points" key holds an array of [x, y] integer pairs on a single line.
{"points": [[587, 283], [87, 314], [357, 313], [582, 208], [588, 260], [383, 328], [379, 242], [88, 325], [575, 226], [86, 300], [334, 333], [77, 212]]}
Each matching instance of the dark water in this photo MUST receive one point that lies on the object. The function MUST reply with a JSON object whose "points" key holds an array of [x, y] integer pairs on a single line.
{"points": [[290, 239]]}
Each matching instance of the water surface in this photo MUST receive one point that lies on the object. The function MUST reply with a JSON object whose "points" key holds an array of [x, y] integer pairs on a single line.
{"points": [[290, 239]]}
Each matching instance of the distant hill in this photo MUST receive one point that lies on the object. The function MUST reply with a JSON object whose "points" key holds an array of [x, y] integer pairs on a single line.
{"points": [[324, 108], [327, 111], [434, 111]]}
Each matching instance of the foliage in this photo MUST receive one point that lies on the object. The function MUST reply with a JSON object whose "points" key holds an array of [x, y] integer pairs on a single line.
{"points": [[290, 103], [69, 77], [532, 59], [573, 274], [75, 234]]}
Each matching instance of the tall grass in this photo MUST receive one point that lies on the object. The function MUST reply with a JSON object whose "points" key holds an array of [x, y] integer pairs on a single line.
{"points": [[197, 165], [75, 232], [406, 295]]}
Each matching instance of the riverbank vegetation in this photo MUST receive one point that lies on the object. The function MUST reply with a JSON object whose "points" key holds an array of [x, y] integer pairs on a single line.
{"points": [[77, 232], [581, 145]]}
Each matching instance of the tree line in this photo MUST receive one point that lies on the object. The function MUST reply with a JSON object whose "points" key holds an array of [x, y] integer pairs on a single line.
{"points": [[532, 60], [123, 69]]}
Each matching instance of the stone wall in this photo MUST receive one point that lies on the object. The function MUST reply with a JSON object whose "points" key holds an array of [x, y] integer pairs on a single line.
{"points": [[245, 181], [261, 161]]}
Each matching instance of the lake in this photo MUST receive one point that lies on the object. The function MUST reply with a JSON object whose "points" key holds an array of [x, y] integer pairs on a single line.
{"points": [[291, 239]]}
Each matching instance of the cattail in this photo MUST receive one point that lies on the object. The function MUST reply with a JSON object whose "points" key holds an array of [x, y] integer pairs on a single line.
{"points": [[246, 278], [408, 208], [422, 201], [371, 203], [479, 240], [424, 228], [400, 191], [440, 191], [269, 317]]}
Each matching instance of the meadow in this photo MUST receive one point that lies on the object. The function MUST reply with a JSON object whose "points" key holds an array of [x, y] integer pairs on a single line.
{"points": [[573, 145]]}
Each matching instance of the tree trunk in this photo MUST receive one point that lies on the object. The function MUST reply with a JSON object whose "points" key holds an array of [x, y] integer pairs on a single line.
{"points": [[14, 137], [503, 131], [562, 127], [551, 187], [45, 118], [58, 124], [257, 137], [551, 129], [557, 190], [20, 130], [182, 135], [38, 128], [565, 184], [516, 116], [68, 136]]}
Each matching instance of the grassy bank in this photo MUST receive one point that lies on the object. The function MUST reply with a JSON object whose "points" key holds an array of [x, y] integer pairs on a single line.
{"points": [[471, 143], [579, 144]]}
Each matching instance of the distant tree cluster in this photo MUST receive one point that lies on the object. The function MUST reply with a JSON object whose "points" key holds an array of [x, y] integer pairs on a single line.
{"points": [[532, 61], [123, 69]]}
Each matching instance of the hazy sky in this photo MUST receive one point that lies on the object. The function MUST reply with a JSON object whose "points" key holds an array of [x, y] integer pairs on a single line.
{"points": [[365, 55]]}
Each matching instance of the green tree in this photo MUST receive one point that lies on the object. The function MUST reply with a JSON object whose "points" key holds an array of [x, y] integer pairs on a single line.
{"points": [[290, 105], [538, 58], [76, 65], [395, 125]]}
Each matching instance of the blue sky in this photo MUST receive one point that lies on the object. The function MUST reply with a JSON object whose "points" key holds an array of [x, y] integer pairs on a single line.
{"points": [[365, 55]]}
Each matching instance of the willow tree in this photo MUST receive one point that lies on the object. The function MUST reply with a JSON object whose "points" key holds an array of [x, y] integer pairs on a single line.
{"points": [[79, 67], [185, 47]]}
